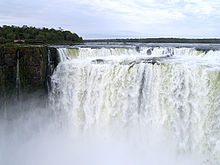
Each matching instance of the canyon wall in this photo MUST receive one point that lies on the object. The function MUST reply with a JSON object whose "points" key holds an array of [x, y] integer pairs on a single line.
{"points": [[25, 71]]}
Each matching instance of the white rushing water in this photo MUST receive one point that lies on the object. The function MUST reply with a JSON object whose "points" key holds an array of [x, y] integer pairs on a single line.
{"points": [[120, 106], [17, 75], [116, 92]]}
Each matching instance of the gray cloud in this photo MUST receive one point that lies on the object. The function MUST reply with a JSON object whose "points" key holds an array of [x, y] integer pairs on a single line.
{"points": [[118, 18]]}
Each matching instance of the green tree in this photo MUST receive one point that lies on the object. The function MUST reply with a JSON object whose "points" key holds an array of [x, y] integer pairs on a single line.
{"points": [[32, 34], [11, 36]]}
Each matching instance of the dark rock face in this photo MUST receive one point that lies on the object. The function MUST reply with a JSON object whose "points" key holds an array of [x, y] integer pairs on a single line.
{"points": [[34, 71], [8, 62], [32, 68]]}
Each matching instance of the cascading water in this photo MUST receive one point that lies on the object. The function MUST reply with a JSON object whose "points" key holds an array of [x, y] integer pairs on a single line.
{"points": [[121, 88], [17, 76], [122, 104], [48, 71]]}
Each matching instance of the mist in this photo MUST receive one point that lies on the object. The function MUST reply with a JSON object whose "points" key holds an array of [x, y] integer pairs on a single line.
{"points": [[40, 136]]}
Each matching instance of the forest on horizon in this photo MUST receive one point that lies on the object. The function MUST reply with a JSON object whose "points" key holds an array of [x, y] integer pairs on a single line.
{"points": [[32, 35]]}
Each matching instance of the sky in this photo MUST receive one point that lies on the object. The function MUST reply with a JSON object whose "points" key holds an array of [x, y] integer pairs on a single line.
{"points": [[118, 18]]}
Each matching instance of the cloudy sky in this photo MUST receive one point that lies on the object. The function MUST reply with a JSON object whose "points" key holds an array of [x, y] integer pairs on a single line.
{"points": [[118, 18]]}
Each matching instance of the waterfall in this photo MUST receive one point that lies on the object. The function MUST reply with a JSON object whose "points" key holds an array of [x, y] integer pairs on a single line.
{"points": [[48, 71], [17, 76], [62, 54], [180, 94], [85, 53]]}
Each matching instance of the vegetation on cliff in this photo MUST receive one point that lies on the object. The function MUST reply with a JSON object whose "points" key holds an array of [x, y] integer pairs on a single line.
{"points": [[32, 35]]}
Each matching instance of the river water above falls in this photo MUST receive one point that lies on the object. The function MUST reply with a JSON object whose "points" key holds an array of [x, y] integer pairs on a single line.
{"points": [[127, 104]]}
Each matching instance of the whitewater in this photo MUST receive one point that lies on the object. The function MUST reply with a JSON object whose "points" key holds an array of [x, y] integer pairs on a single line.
{"points": [[123, 104]]}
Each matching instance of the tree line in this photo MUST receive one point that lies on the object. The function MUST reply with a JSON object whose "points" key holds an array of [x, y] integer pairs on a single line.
{"points": [[9, 34], [159, 40]]}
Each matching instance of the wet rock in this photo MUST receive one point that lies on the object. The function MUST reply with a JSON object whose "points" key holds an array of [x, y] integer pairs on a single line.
{"points": [[137, 48], [149, 52], [33, 66], [97, 61]]}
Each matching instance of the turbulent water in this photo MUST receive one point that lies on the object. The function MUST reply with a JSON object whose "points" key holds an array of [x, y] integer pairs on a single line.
{"points": [[131, 105]]}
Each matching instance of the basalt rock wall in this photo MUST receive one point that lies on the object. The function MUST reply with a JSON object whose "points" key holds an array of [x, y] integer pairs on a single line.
{"points": [[25, 71]]}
